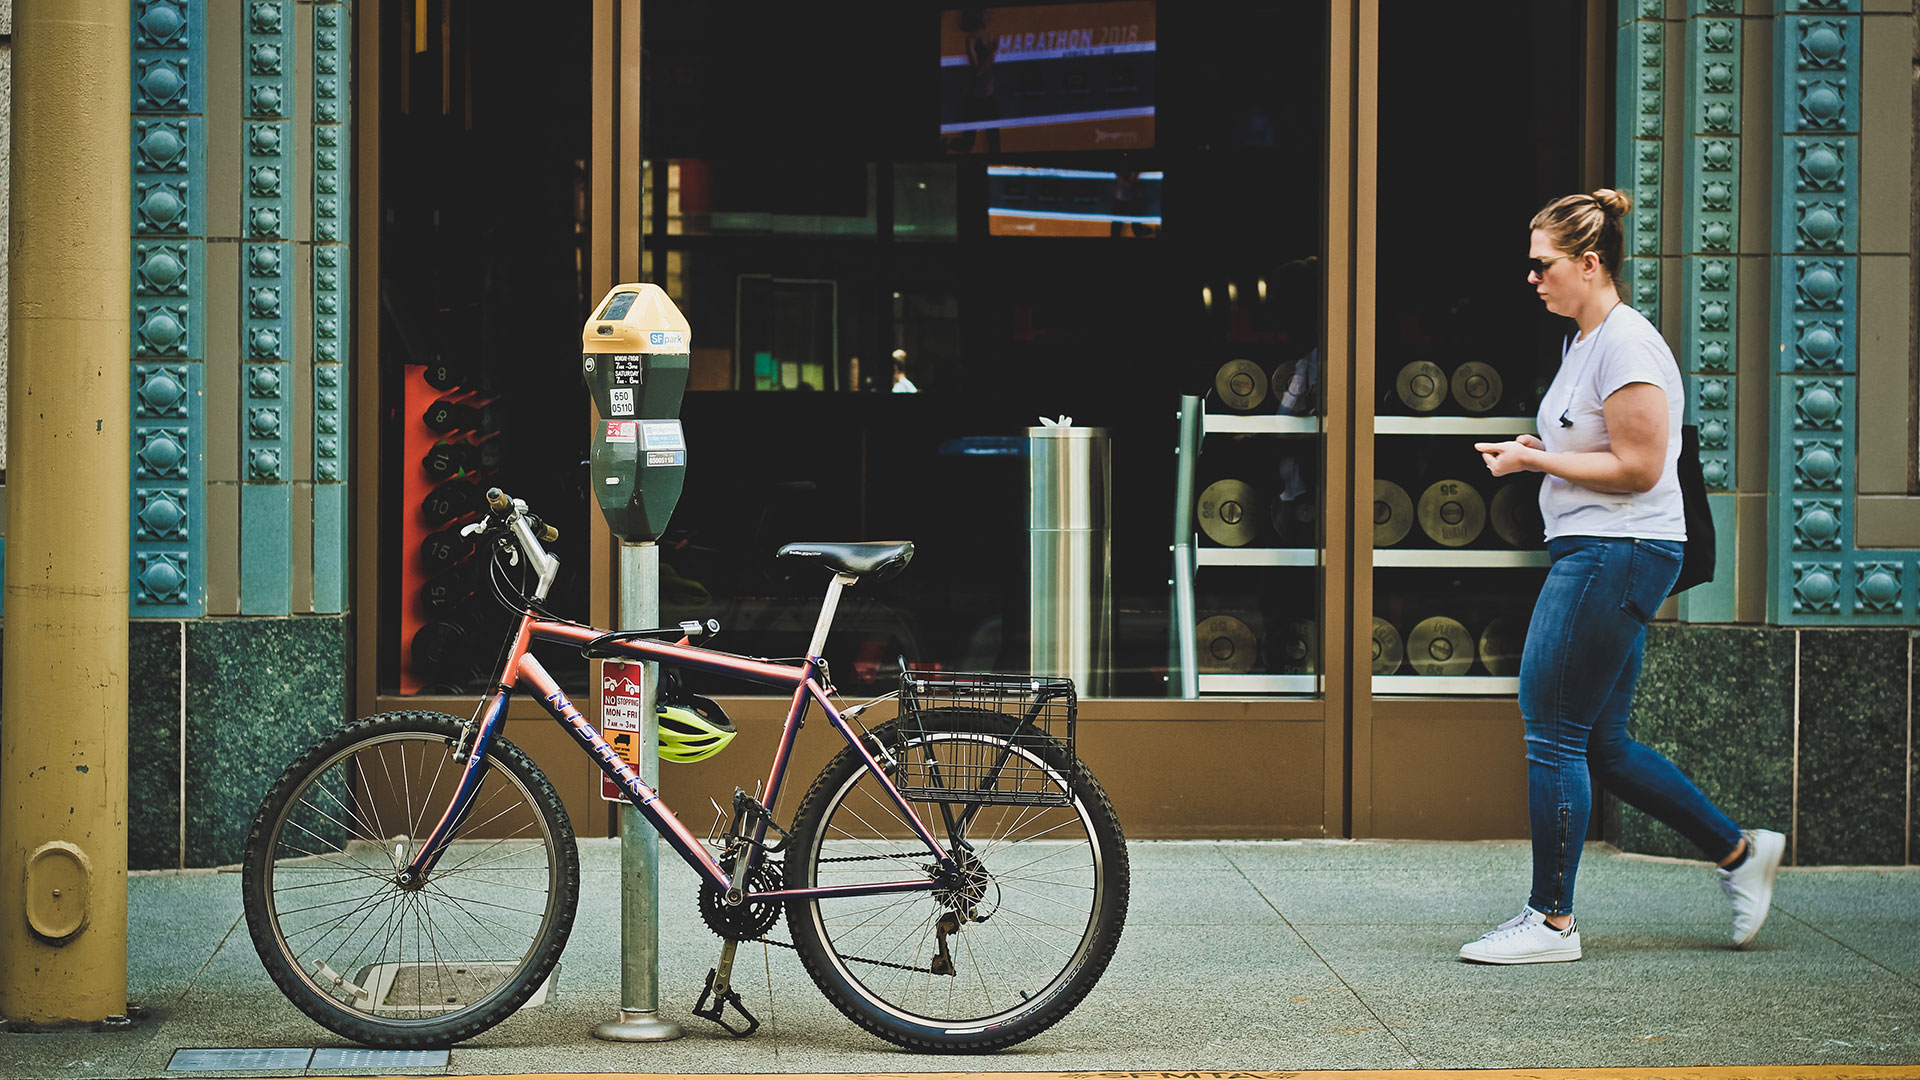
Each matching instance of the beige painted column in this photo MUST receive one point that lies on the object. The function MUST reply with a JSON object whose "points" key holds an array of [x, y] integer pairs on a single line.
{"points": [[63, 714]]}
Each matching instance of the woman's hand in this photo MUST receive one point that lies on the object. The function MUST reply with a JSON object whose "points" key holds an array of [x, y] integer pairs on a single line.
{"points": [[1518, 455], [1635, 425]]}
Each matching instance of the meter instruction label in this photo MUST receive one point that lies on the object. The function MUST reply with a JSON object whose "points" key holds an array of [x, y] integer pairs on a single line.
{"points": [[622, 692], [627, 370], [623, 431], [664, 435]]}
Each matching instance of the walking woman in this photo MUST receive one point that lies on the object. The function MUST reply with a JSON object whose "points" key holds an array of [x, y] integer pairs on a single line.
{"points": [[1609, 437]]}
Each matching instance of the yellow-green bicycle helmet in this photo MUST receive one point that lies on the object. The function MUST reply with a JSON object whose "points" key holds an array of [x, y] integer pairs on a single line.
{"points": [[692, 728]]}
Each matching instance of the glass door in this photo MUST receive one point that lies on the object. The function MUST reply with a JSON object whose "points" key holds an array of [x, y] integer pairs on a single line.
{"points": [[1465, 126], [1462, 347]]}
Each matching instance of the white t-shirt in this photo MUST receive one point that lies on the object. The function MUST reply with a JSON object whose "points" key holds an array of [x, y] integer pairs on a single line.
{"points": [[1624, 349]]}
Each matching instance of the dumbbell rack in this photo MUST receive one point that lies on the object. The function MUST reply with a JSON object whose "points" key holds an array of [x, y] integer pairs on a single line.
{"points": [[444, 466], [1479, 427], [1188, 557]]}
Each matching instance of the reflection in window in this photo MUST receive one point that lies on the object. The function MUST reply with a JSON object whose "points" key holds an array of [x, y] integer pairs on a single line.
{"points": [[788, 336], [926, 338], [924, 201], [777, 197]]}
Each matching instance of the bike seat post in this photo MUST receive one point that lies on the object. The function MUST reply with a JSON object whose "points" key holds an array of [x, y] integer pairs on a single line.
{"points": [[834, 588]]}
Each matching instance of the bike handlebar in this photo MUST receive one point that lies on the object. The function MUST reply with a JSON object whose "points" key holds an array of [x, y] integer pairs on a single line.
{"points": [[530, 532], [501, 503]]}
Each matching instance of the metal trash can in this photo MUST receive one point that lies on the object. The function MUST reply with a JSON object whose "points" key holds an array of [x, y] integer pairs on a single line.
{"points": [[1070, 589]]}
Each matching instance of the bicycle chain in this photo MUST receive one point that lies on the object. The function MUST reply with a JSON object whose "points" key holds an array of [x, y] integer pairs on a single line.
{"points": [[857, 959]]}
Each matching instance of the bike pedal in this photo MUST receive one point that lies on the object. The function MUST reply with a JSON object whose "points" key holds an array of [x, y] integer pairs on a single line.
{"points": [[720, 1003]]}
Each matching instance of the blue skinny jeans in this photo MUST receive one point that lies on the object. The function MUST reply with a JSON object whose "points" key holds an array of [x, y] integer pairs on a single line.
{"points": [[1577, 673]]}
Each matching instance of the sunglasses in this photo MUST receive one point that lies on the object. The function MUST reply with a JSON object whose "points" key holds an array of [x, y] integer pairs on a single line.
{"points": [[1540, 266]]}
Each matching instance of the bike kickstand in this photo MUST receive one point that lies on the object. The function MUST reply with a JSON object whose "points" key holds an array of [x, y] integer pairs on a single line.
{"points": [[720, 1002], [720, 988]]}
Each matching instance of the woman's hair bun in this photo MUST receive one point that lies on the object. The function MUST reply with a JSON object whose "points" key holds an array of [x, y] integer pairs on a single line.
{"points": [[1615, 203]]}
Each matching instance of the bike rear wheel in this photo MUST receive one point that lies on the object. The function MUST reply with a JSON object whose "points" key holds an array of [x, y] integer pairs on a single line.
{"points": [[1000, 953], [390, 965]]}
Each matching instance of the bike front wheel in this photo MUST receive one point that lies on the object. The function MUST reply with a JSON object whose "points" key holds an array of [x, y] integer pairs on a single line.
{"points": [[1003, 949], [409, 965]]}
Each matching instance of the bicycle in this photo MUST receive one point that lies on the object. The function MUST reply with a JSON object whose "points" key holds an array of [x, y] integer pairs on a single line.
{"points": [[954, 880]]}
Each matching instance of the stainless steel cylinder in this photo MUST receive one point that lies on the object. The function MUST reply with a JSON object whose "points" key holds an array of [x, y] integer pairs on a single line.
{"points": [[1070, 589]]}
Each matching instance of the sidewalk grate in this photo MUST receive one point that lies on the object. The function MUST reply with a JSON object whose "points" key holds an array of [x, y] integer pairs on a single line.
{"points": [[275, 1058], [279, 1059], [353, 1057]]}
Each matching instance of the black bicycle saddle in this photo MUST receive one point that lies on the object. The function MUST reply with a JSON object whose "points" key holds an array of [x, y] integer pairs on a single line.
{"points": [[879, 561]]}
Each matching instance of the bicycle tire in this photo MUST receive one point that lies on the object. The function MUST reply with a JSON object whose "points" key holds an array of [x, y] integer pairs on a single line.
{"points": [[392, 967], [858, 949]]}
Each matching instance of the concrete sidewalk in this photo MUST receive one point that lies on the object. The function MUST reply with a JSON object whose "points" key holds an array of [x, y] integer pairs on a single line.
{"points": [[1237, 956]]}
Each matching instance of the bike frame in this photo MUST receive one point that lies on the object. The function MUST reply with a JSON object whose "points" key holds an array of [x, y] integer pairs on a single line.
{"points": [[807, 682]]}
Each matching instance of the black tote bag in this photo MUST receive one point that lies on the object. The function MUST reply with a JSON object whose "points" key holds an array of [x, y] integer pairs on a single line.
{"points": [[1697, 568]]}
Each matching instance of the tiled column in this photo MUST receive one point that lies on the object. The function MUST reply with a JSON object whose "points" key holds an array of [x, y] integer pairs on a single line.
{"points": [[1710, 240], [330, 168], [266, 309], [1640, 144], [168, 309], [1819, 577]]}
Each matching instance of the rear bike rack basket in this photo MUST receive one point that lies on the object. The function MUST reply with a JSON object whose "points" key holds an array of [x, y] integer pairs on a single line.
{"points": [[1018, 772]]}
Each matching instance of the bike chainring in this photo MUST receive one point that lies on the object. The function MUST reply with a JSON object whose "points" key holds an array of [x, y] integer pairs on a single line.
{"points": [[748, 921]]}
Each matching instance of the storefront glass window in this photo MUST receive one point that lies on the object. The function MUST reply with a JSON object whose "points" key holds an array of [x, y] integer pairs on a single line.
{"points": [[1123, 199]]}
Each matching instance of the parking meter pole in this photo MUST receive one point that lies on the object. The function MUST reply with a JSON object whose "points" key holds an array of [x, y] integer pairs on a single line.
{"points": [[639, 1019]]}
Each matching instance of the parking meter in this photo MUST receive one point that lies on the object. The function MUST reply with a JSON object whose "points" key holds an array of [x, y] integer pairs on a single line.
{"points": [[634, 357]]}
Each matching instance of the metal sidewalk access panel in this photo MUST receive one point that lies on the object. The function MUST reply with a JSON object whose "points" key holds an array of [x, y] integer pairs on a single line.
{"points": [[286, 1058], [404, 989], [354, 1057], [262, 1058]]}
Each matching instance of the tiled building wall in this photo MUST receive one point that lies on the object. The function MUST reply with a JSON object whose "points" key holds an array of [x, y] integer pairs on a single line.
{"points": [[1807, 731], [238, 647], [1774, 140], [220, 707]]}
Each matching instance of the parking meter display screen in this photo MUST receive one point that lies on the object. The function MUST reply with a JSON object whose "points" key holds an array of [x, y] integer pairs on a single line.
{"points": [[618, 306], [1054, 77]]}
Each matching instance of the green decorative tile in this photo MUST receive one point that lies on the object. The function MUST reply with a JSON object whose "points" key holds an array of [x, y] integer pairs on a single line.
{"points": [[259, 691], [1718, 702], [153, 744], [1853, 746]]}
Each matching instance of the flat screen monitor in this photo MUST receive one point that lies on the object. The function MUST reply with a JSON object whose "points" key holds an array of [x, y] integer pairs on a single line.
{"points": [[1028, 201], [1047, 78]]}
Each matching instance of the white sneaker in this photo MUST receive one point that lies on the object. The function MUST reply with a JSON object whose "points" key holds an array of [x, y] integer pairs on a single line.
{"points": [[1524, 939], [1750, 885]]}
